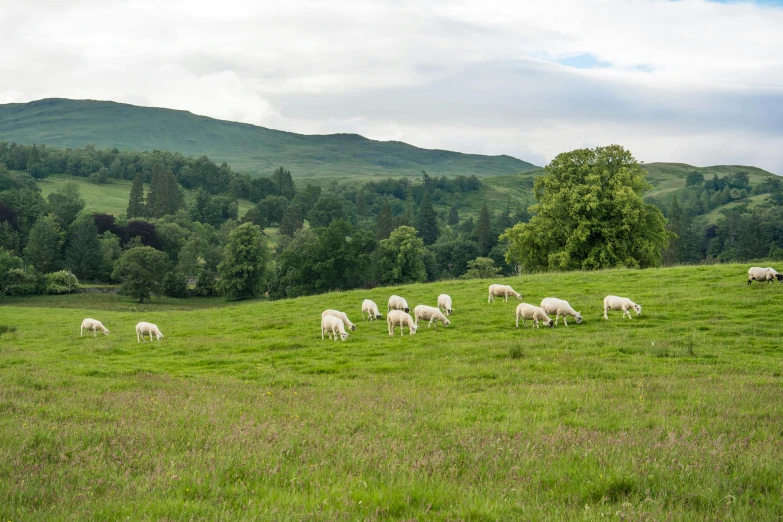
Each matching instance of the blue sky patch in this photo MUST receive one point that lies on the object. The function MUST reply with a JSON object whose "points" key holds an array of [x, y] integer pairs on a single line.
{"points": [[583, 61]]}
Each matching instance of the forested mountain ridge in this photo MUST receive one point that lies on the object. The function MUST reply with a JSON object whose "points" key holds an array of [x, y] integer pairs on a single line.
{"points": [[247, 148]]}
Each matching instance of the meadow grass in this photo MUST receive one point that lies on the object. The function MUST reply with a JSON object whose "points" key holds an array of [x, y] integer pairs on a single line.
{"points": [[243, 412]]}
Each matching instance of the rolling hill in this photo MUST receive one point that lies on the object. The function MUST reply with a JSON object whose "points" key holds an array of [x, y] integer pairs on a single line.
{"points": [[247, 148]]}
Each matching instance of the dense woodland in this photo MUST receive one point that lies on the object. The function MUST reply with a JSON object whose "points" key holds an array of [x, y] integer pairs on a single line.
{"points": [[186, 223]]}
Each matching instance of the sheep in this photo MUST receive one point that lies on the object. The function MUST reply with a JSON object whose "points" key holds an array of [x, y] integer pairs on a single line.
{"points": [[397, 303], [143, 328], [502, 290], [342, 316], [759, 274], [429, 313], [401, 319], [333, 325], [612, 302], [371, 309], [559, 307], [92, 325], [529, 311], [444, 303]]}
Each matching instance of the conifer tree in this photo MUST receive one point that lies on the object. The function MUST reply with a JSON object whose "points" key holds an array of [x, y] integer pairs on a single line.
{"points": [[384, 223], [84, 255], [484, 236], [292, 220], [453, 216], [427, 221]]}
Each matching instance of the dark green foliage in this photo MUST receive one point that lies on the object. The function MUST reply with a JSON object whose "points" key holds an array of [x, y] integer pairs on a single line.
{"points": [[683, 246], [336, 257], [244, 269], [452, 255], [399, 259], [136, 198], [175, 284], [328, 208], [61, 282], [206, 283], [83, 256], [694, 179], [292, 220], [99, 178], [141, 270], [427, 221], [384, 223], [590, 215], [307, 197], [282, 180], [66, 204], [164, 197], [44, 244], [485, 236], [19, 282], [271, 209], [453, 216]]}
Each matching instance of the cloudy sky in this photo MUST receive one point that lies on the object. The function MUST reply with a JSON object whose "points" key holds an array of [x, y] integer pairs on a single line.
{"points": [[690, 81]]}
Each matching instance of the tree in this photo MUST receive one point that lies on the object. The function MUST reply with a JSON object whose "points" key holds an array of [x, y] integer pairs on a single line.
{"points": [[244, 267], [383, 223], [399, 259], [44, 244], [284, 183], [694, 179], [66, 204], [83, 255], [328, 208], [141, 270], [453, 216], [590, 215], [481, 268], [292, 220], [682, 246], [163, 197], [136, 199], [485, 237], [427, 220]]}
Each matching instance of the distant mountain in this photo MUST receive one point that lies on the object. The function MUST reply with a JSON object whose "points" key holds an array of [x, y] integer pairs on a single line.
{"points": [[247, 148]]}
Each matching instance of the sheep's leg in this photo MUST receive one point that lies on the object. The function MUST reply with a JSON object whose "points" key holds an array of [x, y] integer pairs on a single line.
{"points": [[564, 321], [95, 333], [517, 320], [605, 316], [81, 332], [430, 323]]}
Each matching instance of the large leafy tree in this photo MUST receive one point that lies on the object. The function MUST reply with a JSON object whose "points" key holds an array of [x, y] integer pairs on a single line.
{"points": [[44, 245], [243, 269], [590, 215], [66, 204], [292, 220], [141, 270], [400, 259]]}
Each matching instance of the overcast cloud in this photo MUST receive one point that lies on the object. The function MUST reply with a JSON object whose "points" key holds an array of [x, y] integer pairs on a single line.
{"points": [[688, 81]]}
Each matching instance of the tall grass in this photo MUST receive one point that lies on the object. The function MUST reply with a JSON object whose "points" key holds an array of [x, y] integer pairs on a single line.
{"points": [[243, 412]]}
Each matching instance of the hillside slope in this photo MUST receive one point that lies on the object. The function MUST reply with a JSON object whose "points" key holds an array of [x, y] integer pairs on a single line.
{"points": [[247, 148]]}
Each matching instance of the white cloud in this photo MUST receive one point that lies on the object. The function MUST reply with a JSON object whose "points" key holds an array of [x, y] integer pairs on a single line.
{"points": [[691, 81]]}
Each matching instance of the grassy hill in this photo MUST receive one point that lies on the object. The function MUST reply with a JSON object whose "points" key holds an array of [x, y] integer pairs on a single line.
{"points": [[667, 178], [247, 148], [242, 412]]}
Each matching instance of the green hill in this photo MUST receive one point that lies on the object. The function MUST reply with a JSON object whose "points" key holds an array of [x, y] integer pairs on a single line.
{"points": [[247, 148], [242, 412]]}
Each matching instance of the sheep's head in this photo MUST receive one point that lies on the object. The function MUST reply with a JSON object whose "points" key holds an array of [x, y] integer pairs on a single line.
{"points": [[449, 311], [105, 331], [413, 328], [343, 335], [779, 277], [353, 327], [579, 318], [407, 310], [550, 323], [378, 316], [159, 336], [638, 309], [519, 297], [446, 322]]}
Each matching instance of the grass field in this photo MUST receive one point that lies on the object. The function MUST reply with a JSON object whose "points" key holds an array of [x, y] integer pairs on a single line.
{"points": [[243, 412]]}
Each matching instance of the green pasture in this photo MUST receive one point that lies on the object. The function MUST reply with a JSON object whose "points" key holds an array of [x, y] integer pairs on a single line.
{"points": [[242, 411]]}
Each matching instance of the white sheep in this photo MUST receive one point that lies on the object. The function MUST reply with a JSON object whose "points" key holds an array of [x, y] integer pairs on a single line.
{"points": [[342, 316], [429, 313], [397, 303], [559, 307], [333, 325], [444, 303], [371, 309], [612, 302], [528, 311], [767, 274], [147, 328], [401, 319], [502, 291], [93, 325]]}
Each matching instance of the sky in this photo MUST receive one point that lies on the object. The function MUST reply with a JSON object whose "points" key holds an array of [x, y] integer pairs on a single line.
{"points": [[689, 81]]}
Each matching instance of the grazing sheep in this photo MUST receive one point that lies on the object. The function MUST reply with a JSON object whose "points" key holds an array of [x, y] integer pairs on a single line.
{"points": [[401, 319], [759, 274], [93, 325], [559, 307], [371, 309], [612, 302], [333, 325], [502, 290], [147, 328], [429, 313], [529, 311], [444, 303], [397, 303], [342, 316]]}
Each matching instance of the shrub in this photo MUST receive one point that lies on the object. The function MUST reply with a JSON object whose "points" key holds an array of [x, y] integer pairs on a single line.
{"points": [[62, 282], [175, 284], [206, 283], [18, 282]]}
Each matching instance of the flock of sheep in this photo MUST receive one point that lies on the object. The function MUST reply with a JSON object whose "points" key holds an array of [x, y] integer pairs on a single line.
{"points": [[335, 323]]}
